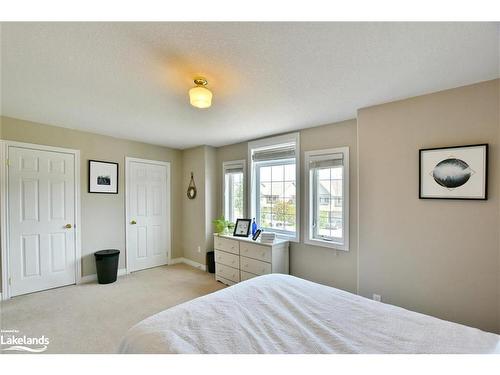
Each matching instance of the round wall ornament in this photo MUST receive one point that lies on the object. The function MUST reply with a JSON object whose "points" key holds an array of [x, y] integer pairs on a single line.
{"points": [[191, 190]]}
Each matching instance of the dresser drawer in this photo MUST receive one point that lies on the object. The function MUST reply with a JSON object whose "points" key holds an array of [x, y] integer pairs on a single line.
{"points": [[225, 244], [246, 276], [226, 272], [254, 266], [254, 251], [228, 259], [225, 281]]}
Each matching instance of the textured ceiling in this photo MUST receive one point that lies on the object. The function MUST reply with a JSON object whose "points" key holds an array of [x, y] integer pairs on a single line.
{"points": [[130, 80]]}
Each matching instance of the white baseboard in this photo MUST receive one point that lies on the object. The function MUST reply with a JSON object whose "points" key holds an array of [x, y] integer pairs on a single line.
{"points": [[93, 277], [189, 262], [123, 271], [176, 261], [194, 264]]}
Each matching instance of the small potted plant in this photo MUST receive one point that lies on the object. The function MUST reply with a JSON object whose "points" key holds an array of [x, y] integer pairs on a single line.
{"points": [[221, 225]]}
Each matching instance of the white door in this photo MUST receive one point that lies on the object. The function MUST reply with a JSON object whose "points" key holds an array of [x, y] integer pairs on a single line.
{"points": [[41, 196], [148, 227]]}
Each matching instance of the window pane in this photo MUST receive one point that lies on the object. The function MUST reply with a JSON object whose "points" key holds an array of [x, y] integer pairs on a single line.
{"points": [[324, 173], [265, 220], [277, 189], [324, 188], [277, 197], [289, 189], [337, 173], [277, 221], [265, 174], [265, 188], [238, 197], [278, 172], [290, 172], [265, 206], [336, 230], [336, 188], [233, 196], [328, 208]]}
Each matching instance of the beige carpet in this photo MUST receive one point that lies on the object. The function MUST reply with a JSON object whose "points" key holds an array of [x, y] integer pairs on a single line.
{"points": [[92, 318]]}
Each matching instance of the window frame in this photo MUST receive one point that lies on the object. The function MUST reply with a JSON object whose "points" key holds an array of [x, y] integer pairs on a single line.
{"points": [[268, 143], [257, 190], [229, 165], [310, 198]]}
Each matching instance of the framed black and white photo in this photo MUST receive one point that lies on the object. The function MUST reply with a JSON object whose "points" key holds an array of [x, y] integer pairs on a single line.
{"points": [[103, 177], [459, 172], [242, 228]]}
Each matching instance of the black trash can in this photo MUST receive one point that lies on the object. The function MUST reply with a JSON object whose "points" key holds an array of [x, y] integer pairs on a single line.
{"points": [[211, 261], [106, 262]]}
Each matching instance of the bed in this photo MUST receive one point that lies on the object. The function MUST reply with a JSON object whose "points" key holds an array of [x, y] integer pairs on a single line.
{"points": [[285, 314]]}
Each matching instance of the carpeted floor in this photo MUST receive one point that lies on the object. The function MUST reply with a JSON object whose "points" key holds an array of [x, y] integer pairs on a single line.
{"points": [[92, 318]]}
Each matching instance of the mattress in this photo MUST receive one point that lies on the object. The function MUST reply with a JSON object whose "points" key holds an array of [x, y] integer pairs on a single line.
{"points": [[285, 314]]}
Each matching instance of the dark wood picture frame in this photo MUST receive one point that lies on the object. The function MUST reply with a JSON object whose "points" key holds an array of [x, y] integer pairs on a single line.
{"points": [[235, 234], [117, 176], [421, 151]]}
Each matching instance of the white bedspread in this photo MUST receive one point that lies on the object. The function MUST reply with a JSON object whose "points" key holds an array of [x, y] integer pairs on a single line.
{"points": [[284, 314]]}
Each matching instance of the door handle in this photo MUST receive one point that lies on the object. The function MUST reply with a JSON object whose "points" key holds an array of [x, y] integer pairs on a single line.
{"points": [[133, 222], [68, 226]]}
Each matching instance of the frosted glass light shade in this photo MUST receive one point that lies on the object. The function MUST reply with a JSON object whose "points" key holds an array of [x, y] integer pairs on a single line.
{"points": [[200, 97]]}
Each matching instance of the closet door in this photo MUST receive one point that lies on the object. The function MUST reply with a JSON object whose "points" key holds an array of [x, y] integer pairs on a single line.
{"points": [[148, 227], [41, 195]]}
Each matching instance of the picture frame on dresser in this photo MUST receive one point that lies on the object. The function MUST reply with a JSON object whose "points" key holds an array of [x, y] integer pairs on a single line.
{"points": [[242, 228]]}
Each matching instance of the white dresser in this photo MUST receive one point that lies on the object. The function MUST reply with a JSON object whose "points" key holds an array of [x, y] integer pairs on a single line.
{"points": [[240, 258]]}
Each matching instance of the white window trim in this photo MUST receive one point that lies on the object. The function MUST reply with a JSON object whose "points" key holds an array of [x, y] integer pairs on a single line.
{"points": [[264, 143], [228, 165], [309, 204]]}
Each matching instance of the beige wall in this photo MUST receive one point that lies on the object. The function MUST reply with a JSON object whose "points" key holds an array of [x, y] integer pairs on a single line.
{"points": [[438, 257], [193, 218], [210, 195], [102, 214], [323, 265], [197, 213]]}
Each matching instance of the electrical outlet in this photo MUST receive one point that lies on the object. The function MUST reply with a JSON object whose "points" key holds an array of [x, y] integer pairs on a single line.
{"points": [[199, 249], [377, 297]]}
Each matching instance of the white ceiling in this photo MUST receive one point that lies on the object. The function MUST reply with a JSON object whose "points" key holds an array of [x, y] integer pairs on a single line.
{"points": [[130, 80]]}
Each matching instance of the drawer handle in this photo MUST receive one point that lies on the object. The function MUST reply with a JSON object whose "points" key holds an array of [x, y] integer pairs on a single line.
{"points": [[263, 254]]}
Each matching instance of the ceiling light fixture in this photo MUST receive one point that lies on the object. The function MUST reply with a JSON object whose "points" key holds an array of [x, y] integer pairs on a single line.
{"points": [[200, 96]]}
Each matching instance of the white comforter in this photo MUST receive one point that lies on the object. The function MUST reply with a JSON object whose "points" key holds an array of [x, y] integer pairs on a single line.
{"points": [[284, 314]]}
